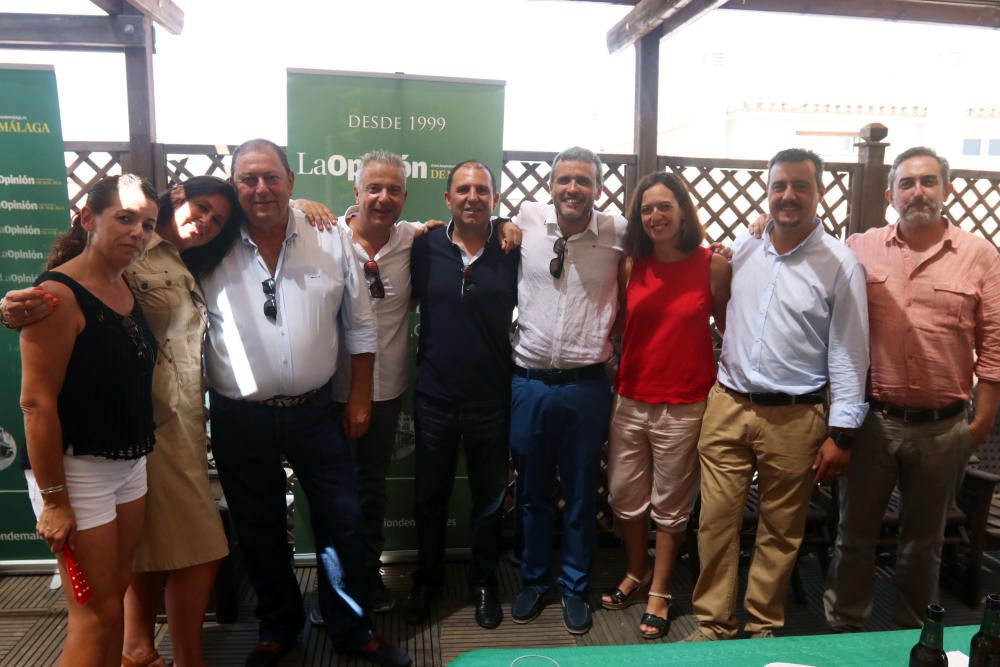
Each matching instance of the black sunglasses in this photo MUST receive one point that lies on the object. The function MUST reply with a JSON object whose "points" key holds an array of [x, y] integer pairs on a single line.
{"points": [[556, 263], [142, 349], [375, 287], [468, 284], [271, 305]]}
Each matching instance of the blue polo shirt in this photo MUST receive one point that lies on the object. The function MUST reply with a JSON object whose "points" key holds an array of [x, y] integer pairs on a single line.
{"points": [[464, 351]]}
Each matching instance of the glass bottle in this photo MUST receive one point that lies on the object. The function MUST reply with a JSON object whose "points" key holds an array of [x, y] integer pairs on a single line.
{"points": [[929, 651], [984, 649]]}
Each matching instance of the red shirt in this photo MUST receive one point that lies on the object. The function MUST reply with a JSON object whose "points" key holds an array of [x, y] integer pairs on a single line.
{"points": [[667, 352]]}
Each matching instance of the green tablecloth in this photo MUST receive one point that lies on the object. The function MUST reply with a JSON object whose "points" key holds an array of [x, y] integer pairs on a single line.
{"points": [[869, 649]]}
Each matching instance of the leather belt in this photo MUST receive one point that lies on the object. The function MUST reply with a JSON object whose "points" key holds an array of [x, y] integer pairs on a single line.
{"points": [[774, 398], [287, 401], [562, 375], [917, 415]]}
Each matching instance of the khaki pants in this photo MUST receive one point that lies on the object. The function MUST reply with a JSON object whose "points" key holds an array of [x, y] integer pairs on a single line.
{"points": [[927, 462], [781, 443]]}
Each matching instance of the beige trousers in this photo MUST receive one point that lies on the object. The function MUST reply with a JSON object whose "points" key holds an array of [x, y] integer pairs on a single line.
{"points": [[781, 443], [653, 461]]}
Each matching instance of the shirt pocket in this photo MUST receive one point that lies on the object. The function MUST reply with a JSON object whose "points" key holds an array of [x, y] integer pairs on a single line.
{"points": [[953, 305], [159, 293]]}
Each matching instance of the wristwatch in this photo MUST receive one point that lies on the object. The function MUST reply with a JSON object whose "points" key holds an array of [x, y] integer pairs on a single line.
{"points": [[842, 439], [3, 315]]}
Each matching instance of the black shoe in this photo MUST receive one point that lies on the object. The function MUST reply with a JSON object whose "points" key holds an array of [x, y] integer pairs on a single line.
{"points": [[576, 614], [378, 594], [417, 605], [488, 611], [316, 616], [267, 654], [384, 654], [528, 605]]}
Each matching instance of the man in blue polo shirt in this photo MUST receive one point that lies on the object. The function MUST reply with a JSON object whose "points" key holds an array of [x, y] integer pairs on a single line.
{"points": [[467, 287]]}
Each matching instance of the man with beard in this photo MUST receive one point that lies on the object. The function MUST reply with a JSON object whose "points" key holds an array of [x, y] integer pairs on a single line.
{"points": [[934, 297], [796, 324], [467, 288], [567, 300]]}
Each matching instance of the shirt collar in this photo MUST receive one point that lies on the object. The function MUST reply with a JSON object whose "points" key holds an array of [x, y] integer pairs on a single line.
{"points": [[769, 247], [451, 227], [291, 229], [951, 236], [591, 227], [389, 245]]}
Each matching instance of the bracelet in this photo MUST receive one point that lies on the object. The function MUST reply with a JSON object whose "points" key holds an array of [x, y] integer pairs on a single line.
{"points": [[52, 490]]}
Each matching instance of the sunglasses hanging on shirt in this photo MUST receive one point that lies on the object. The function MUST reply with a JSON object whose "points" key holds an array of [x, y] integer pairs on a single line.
{"points": [[375, 286]]}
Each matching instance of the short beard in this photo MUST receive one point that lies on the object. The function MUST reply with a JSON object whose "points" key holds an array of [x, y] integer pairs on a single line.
{"points": [[584, 215]]}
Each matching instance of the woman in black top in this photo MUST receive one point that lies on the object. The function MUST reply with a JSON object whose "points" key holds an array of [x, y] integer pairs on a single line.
{"points": [[88, 416]]}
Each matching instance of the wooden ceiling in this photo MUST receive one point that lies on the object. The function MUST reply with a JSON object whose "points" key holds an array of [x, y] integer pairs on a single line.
{"points": [[669, 15]]}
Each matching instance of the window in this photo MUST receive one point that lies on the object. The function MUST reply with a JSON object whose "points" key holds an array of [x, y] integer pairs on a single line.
{"points": [[994, 148], [971, 146]]}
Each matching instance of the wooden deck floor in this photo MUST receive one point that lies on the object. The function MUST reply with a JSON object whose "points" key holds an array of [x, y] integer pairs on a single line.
{"points": [[32, 618]]}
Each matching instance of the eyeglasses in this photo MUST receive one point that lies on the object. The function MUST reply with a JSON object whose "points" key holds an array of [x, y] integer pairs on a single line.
{"points": [[271, 305], [375, 287], [468, 284], [142, 349], [556, 263]]}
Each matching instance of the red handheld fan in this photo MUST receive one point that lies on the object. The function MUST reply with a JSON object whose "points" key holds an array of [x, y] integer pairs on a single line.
{"points": [[81, 587]]}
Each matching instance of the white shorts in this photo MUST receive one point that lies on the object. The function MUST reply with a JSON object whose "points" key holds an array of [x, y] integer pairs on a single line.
{"points": [[96, 485]]}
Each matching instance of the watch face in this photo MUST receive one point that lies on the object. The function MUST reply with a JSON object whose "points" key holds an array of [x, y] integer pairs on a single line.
{"points": [[8, 449]]}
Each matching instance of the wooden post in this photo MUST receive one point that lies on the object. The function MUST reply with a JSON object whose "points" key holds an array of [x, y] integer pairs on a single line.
{"points": [[141, 113], [647, 79], [868, 190]]}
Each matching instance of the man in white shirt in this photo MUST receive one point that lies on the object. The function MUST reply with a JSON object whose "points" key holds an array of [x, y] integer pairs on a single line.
{"points": [[381, 249], [276, 303], [567, 300]]}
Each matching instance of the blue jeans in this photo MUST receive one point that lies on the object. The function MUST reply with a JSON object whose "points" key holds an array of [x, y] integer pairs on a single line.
{"points": [[249, 441], [440, 427], [558, 427]]}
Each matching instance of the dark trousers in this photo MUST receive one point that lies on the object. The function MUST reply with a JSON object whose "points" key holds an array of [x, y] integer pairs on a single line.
{"points": [[372, 454], [558, 428], [249, 441], [440, 427]]}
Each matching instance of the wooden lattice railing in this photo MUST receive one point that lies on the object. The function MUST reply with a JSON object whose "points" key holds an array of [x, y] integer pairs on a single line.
{"points": [[727, 193]]}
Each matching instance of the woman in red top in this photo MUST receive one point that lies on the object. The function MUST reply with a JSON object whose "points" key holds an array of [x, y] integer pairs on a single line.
{"points": [[670, 287]]}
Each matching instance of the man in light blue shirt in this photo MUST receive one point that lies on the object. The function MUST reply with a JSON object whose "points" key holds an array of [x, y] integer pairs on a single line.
{"points": [[796, 326]]}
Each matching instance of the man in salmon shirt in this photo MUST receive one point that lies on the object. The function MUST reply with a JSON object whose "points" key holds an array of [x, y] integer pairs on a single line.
{"points": [[934, 310]]}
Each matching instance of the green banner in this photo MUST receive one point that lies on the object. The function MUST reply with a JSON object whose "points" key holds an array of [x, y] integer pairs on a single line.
{"points": [[33, 210], [432, 123]]}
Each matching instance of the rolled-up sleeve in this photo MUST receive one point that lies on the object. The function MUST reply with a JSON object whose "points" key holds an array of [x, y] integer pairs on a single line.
{"points": [[356, 316], [848, 350], [988, 319]]}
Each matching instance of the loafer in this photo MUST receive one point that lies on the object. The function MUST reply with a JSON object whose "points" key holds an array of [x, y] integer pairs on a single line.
{"points": [[384, 654], [267, 654], [576, 614], [378, 594], [488, 611], [417, 605], [528, 605]]}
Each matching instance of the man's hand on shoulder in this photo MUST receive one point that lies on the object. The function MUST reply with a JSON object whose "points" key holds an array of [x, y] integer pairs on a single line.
{"points": [[318, 215]]}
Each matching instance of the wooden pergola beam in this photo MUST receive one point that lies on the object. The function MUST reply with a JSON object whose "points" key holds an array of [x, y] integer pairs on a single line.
{"points": [[983, 14], [70, 32], [164, 12], [650, 15]]}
